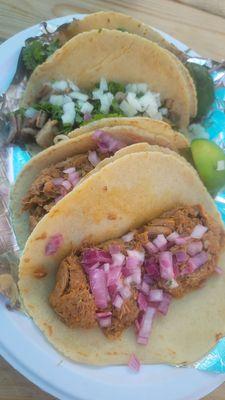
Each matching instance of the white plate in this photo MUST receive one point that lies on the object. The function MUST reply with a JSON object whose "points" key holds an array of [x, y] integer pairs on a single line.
{"points": [[26, 349]]}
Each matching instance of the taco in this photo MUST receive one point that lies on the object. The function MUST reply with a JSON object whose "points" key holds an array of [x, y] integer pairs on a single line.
{"points": [[134, 236], [127, 76], [53, 173]]}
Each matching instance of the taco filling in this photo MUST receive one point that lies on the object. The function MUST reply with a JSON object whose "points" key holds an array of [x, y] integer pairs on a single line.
{"points": [[128, 281], [62, 107], [54, 182]]}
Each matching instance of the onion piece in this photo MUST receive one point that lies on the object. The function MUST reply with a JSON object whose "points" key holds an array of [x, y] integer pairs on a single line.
{"points": [[166, 265], [142, 302], [151, 248], [164, 305], [99, 290], [181, 256], [66, 184], [125, 292], [118, 301], [197, 261], [105, 322], [91, 256], [134, 363], [199, 231], [174, 235], [156, 295], [57, 181], [113, 276], [128, 237], [152, 269], [53, 244], [69, 170], [106, 143], [87, 116], [160, 241], [93, 158], [194, 248], [145, 287], [146, 325], [118, 259]]}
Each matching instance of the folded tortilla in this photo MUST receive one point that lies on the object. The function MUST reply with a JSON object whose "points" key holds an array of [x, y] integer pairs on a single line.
{"points": [[120, 57], [160, 134], [115, 20], [124, 194]]}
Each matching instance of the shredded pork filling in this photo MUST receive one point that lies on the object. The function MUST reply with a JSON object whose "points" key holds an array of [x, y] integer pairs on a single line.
{"points": [[129, 280]]}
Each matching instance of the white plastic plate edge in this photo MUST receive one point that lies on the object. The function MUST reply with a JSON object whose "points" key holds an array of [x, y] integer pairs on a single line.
{"points": [[26, 349]]}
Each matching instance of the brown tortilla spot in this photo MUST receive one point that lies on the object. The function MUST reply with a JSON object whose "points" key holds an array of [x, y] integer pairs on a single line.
{"points": [[49, 327], [26, 290], [52, 214], [40, 273], [218, 336], [105, 188], [26, 260], [82, 353], [112, 217], [172, 352], [42, 236], [31, 306]]}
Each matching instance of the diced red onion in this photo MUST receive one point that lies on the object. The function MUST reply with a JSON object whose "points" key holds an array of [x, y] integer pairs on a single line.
{"points": [[107, 143], [146, 278], [125, 292], [142, 302], [53, 244], [198, 231], [118, 259], [160, 241], [219, 270], [92, 256], [87, 116], [164, 305], [134, 260], [69, 170], [198, 260], [134, 363], [136, 277], [98, 287], [145, 287], [166, 265], [104, 319], [174, 235], [194, 248], [146, 325], [57, 181], [128, 237], [152, 269], [182, 240], [118, 301], [93, 158], [113, 276], [106, 267], [66, 184], [151, 248], [156, 295], [114, 248], [181, 256], [74, 178]]}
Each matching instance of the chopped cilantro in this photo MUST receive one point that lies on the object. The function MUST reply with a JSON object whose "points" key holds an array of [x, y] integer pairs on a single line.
{"points": [[115, 87], [36, 52], [55, 112], [115, 107]]}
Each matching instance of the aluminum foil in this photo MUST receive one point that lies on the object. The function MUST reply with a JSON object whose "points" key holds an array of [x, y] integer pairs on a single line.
{"points": [[14, 157]]}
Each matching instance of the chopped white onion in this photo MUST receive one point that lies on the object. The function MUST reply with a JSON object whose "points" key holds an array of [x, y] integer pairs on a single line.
{"points": [[128, 109], [60, 85], [69, 113], [56, 99], [103, 86], [74, 87], [87, 108], [79, 96], [30, 112]]}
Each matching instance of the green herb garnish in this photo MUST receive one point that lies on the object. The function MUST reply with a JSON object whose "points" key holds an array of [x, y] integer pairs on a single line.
{"points": [[96, 117], [36, 52], [115, 87], [55, 112]]}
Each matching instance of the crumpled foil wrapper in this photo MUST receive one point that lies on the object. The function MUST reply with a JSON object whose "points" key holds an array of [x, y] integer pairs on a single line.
{"points": [[14, 157]]}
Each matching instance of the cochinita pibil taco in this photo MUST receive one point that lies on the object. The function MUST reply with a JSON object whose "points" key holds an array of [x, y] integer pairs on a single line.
{"points": [[55, 172], [129, 262], [105, 73]]}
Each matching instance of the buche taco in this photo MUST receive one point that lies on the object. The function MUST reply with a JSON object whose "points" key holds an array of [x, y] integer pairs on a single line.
{"points": [[115, 74], [53, 173], [136, 246]]}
